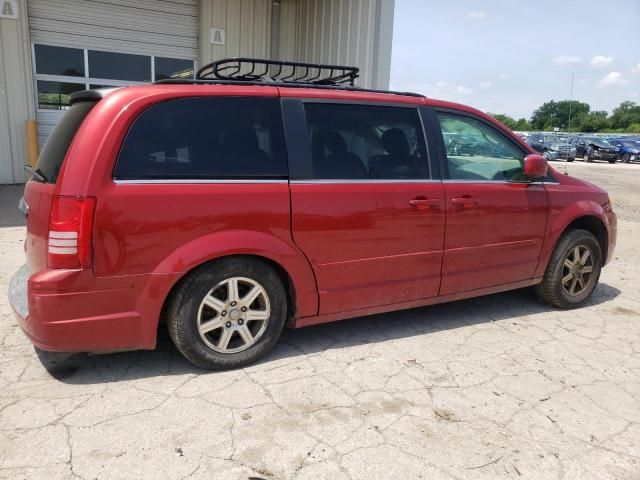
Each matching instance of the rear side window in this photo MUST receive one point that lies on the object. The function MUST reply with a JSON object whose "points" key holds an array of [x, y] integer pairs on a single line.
{"points": [[360, 142], [205, 138], [54, 151]]}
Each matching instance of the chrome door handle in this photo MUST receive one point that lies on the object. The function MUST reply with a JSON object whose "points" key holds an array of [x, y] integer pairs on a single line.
{"points": [[466, 201], [422, 203]]}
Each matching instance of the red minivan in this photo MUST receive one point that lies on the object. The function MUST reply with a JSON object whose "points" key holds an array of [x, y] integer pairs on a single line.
{"points": [[237, 203]]}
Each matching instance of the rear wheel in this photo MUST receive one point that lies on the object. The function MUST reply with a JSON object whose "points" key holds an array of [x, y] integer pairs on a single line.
{"points": [[626, 158], [573, 271], [228, 313]]}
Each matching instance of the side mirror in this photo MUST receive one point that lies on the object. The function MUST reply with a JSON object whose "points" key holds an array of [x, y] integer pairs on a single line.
{"points": [[535, 166]]}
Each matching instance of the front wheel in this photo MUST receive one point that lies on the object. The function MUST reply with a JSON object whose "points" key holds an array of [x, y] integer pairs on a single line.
{"points": [[228, 313], [626, 158], [573, 271]]}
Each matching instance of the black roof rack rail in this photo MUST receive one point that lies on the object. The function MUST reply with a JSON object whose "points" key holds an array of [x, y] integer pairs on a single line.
{"points": [[277, 73], [268, 71], [273, 73]]}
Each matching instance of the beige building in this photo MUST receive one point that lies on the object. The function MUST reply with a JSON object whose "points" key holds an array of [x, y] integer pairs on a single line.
{"points": [[50, 48]]}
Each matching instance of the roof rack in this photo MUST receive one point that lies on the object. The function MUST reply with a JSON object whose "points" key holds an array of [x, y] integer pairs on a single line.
{"points": [[254, 69], [275, 73]]}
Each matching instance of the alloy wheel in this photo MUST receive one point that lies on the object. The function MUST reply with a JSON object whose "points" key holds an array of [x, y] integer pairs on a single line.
{"points": [[577, 270], [233, 315]]}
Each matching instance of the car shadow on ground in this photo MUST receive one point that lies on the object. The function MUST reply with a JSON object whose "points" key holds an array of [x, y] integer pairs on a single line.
{"points": [[165, 360], [10, 216]]}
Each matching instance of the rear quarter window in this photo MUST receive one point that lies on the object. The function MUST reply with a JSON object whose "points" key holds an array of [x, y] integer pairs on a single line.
{"points": [[205, 138], [53, 154]]}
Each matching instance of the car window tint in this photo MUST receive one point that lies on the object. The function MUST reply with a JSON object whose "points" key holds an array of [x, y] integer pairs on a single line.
{"points": [[203, 138], [362, 142], [477, 151]]}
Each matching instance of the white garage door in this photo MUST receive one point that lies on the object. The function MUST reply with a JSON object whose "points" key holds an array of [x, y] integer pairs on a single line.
{"points": [[79, 44]]}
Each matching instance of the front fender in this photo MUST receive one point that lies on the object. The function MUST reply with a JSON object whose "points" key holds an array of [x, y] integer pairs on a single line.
{"points": [[560, 218]]}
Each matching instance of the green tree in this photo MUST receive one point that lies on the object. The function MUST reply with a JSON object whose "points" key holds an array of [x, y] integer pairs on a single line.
{"points": [[506, 120], [596, 121], [624, 115], [522, 125], [556, 114]]}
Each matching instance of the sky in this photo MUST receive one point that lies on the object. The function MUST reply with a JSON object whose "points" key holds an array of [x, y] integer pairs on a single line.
{"points": [[511, 56]]}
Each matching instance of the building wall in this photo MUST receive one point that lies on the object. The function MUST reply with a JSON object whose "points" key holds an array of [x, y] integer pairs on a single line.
{"points": [[16, 95], [348, 32]]}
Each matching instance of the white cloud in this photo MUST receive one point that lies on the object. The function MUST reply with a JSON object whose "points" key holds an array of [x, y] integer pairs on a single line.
{"points": [[636, 69], [485, 85], [475, 15], [442, 89], [600, 61], [503, 76], [566, 60], [613, 79]]}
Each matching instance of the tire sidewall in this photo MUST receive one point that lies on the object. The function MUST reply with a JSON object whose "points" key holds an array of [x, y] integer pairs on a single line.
{"points": [[184, 321], [588, 240]]}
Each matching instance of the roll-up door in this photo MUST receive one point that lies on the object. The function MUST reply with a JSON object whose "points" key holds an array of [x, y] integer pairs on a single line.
{"points": [[79, 44]]}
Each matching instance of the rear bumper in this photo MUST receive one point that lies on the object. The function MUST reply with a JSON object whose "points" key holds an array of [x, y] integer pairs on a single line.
{"points": [[73, 311]]}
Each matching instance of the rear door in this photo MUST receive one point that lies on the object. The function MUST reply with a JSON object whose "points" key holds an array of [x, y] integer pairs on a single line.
{"points": [[367, 209], [496, 218]]}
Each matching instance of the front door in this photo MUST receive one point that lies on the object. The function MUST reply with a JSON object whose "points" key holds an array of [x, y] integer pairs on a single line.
{"points": [[365, 210], [496, 218]]}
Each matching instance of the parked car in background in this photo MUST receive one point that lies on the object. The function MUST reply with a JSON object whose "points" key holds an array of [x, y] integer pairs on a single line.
{"points": [[629, 149], [552, 146], [230, 208], [599, 149]]}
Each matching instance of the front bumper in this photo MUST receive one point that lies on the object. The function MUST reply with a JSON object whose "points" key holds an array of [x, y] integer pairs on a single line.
{"points": [[604, 155], [73, 311]]}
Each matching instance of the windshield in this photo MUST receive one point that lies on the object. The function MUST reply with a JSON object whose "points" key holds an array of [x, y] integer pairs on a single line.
{"points": [[599, 142]]}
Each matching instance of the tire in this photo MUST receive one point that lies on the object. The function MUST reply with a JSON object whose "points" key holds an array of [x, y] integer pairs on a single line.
{"points": [[626, 158], [225, 346], [552, 290], [612, 160], [587, 158], [570, 159]]}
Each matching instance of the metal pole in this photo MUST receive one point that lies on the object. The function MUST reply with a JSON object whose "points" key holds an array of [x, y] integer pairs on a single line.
{"points": [[275, 30], [570, 102]]}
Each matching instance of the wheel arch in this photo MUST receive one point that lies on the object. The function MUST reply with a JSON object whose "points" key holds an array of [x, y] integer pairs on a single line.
{"points": [[284, 276], [287, 261], [589, 219]]}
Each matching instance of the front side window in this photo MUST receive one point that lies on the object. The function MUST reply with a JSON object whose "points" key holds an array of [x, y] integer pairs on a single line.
{"points": [[477, 151], [205, 138], [362, 142]]}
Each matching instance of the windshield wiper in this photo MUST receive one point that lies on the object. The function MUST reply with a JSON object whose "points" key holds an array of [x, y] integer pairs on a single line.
{"points": [[36, 173]]}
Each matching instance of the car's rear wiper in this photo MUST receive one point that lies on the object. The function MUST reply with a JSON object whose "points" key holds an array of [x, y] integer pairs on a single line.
{"points": [[37, 173]]}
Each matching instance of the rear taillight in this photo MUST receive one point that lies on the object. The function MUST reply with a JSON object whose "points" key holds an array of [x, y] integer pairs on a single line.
{"points": [[70, 232]]}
